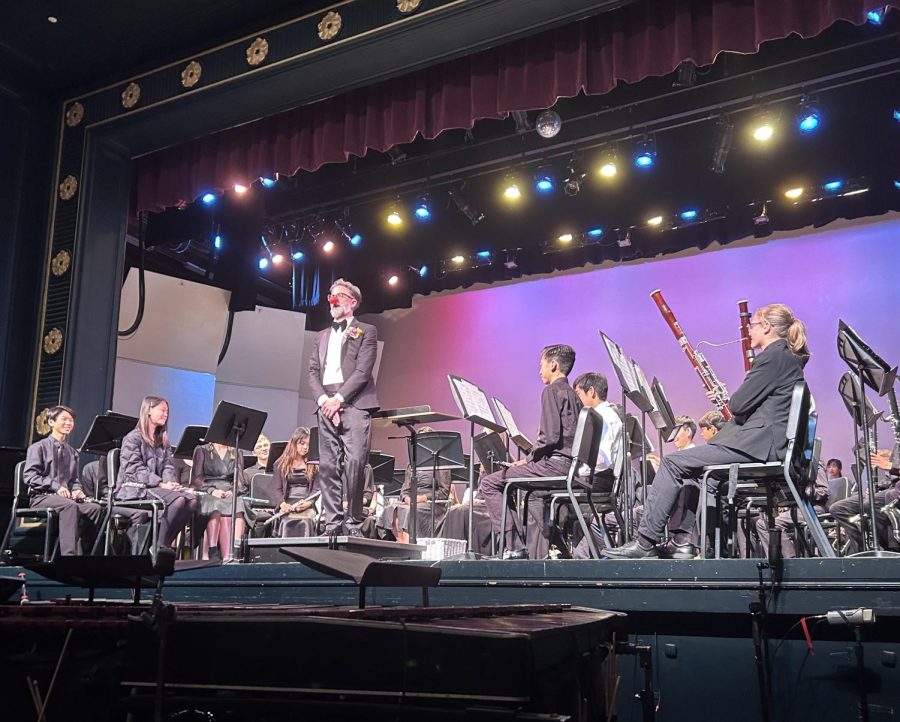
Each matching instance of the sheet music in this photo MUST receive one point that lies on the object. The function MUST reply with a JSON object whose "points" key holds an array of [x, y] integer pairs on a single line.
{"points": [[623, 367], [473, 400], [506, 418], [644, 385]]}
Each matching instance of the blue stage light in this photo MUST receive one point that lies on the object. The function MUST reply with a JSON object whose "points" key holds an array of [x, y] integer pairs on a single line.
{"points": [[355, 239], [267, 182], [423, 271], [263, 264], [645, 153], [809, 121], [544, 184], [217, 242], [423, 208], [208, 198], [897, 184], [297, 255], [643, 160], [833, 186], [483, 255], [875, 16], [688, 215], [897, 114], [595, 233]]}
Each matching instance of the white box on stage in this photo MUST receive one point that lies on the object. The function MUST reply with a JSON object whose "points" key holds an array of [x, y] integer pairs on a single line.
{"points": [[437, 548]]}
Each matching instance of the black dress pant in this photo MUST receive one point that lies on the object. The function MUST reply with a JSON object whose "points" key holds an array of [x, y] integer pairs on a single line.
{"points": [[78, 520]]}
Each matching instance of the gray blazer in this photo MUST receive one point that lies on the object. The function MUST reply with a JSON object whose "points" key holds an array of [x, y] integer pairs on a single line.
{"points": [[142, 466], [762, 403], [359, 350]]}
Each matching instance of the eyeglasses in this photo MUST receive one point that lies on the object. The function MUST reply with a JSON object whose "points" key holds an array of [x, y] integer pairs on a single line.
{"points": [[755, 323], [346, 296]]}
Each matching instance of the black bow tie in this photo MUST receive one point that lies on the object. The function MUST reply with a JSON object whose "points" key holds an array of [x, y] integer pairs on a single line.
{"points": [[339, 325]]}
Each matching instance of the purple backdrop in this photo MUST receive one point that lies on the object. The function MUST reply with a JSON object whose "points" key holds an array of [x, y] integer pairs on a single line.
{"points": [[493, 336]]}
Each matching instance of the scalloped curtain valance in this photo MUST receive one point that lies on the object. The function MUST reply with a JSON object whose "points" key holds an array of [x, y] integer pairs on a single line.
{"points": [[643, 39]]}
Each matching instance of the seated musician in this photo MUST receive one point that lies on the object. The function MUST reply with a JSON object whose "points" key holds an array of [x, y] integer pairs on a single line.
{"points": [[95, 483], [296, 488], [146, 470], [456, 522], [559, 416], [757, 433], [51, 475], [214, 467], [846, 512], [263, 514], [395, 515]]}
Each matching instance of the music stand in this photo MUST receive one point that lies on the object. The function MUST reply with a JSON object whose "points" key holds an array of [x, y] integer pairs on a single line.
{"points": [[103, 437], [238, 427], [276, 449], [665, 421], [490, 450], [382, 468], [190, 439], [873, 371], [312, 456], [446, 452], [512, 430], [461, 474], [474, 408]]}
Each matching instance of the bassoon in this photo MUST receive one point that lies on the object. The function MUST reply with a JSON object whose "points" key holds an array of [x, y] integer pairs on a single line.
{"points": [[698, 361], [749, 353]]}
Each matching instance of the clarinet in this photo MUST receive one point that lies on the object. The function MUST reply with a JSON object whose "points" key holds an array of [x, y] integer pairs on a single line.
{"points": [[749, 353], [698, 361]]}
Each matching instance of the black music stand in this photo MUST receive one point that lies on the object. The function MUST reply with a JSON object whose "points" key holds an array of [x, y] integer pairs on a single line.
{"points": [[103, 437], [237, 427], [276, 449], [490, 450], [191, 438], [474, 408], [312, 456], [664, 420], [446, 452], [382, 469], [872, 371]]}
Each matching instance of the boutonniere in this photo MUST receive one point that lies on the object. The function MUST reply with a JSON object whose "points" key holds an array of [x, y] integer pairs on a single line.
{"points": [[354, 332]]}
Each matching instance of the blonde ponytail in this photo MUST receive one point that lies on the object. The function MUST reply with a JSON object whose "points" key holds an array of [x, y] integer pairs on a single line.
{"points": [[791, 329]]}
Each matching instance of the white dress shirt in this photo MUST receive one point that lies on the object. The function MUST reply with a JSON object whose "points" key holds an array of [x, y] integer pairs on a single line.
{"points": [[610, 439], [332, 373]]}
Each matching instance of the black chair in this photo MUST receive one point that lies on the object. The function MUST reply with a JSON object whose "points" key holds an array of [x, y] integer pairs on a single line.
{"points": [[154, 506], [778, 483], [20, 510], [585, 449]]}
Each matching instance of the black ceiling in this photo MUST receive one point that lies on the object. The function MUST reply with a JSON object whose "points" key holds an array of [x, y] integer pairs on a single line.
{"points": [[858, 140], [95, 42]]}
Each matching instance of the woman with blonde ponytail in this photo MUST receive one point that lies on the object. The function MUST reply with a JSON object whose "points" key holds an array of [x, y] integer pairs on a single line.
{"points": [[758, 431]]}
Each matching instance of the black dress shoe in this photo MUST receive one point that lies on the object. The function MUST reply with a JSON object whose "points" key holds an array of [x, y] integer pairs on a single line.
{"points": [[671, 550], [355, 533], [631, 550], [515, 554]]}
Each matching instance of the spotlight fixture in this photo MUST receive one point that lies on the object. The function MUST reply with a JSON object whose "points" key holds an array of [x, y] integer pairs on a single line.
{"points": [[393, 217], [762, 218], [267, 182], [277, 258], [688, 215], [543, 180], [393, 280], [208, 198], [346, 231], [594, 233], [423, 208], [458, 260], [520, 117], [297, 256], [511, 263], [808, 118], [833, 186], [263, 263], [624, 238], [483, 258], [240, 188], [685, 75], [511, 189], [897, 114], [396, 155], [609, 165], [575, 175], [793, 193], [548, 123], [462, 203], [422, 271], [724, 141], [876, 17], [565, 238], [763, 128], [217, 242], [655, 221], [644, 154], [897, 184], [328, 246]]}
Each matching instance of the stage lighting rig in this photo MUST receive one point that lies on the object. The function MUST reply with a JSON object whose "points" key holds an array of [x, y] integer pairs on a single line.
{"points": [[808, 117], [685, 75], [422, 209], [396, 155], [609, 165], [645, 153], [523, 124], [763, 128], [575, 175], [724, 141], [462, 203]]}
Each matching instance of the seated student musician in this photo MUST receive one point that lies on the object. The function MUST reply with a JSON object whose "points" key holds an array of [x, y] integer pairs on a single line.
{"points": [[846, 512], [146, 470], [296, 488], [51, 475], [456, 522], [592, 389], [757, 433], [95, 483], [263, 514], [214, 467], [559, 416]]}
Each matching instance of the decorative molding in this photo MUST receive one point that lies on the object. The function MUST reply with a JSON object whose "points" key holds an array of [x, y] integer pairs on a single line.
{"points": [[68, 187], [74, 114], [330, 26], [408, 6], [40, 422], [257, 52], [53, 341], [190, 76], [131, 95], [60, 263]]}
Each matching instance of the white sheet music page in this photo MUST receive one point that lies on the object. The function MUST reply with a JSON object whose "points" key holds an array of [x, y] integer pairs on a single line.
{"points": [[644, 385], [506, 418], [474, 400]]}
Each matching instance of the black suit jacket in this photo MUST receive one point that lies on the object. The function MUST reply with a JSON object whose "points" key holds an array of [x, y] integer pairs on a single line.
{"points": [[762, 403], [359, 350]]}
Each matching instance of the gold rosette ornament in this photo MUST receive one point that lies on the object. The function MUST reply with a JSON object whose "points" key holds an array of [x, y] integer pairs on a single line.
{"points": [[40, 423], [190, 76], [330, 26], [52, 341], [408, 6], [131, 95], [68, 187], [60, 263], [257, 51], [74, 114]]}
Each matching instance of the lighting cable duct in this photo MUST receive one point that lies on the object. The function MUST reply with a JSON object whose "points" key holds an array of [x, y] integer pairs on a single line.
{"points": [[142, 291]]}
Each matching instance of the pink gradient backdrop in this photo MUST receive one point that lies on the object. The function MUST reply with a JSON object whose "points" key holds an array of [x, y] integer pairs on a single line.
{"points": [[493, 336]]}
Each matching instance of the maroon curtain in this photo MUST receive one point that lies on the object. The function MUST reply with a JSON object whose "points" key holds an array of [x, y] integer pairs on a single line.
{"points": [[643, 39]]}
